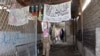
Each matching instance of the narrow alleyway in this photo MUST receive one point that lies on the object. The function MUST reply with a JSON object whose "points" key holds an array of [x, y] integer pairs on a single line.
{"points": [[63, 50], [71, 26]]}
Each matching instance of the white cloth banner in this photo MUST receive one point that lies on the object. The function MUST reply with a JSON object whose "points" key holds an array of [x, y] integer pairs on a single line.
{"points": [[58, 12], [44, 25], [18, 17]]}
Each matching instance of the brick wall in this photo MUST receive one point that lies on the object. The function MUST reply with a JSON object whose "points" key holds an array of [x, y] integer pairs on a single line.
{"points": [[92, 15], [91, 21]]}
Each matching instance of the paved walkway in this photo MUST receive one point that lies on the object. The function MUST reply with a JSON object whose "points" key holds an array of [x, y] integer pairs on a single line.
{"points": [[63, 50]]}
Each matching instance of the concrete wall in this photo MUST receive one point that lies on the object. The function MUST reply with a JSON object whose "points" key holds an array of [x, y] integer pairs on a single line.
{"points": [[9, 41], [97, 41], [87, 51], [69, 35]]}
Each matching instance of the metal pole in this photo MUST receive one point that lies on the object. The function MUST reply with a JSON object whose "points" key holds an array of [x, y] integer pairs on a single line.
{"points": [[36, 37], [65, 38]]}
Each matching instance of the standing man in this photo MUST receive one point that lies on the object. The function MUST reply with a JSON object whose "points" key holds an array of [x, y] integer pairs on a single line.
{"points": [[45, 39], [62, 34]]}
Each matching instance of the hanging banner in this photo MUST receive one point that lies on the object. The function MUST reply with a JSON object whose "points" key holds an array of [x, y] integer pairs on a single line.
{"points": [[58, 12], [18, 17]]}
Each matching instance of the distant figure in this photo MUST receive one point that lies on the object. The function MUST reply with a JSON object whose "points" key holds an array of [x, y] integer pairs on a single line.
{"points": [[57, 34], [62, 34], [50, 30], [46, 39]]}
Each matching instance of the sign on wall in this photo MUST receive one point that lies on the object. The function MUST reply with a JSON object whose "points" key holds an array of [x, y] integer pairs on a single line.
{"points": [[58, 12], [8, 40]]}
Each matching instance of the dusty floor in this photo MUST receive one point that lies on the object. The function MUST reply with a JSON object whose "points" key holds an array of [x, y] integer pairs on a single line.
{"points": [[59, 50]]}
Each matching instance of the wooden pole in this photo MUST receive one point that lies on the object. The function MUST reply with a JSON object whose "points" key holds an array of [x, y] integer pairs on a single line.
{"points": [[81, 17], [73, 30]]}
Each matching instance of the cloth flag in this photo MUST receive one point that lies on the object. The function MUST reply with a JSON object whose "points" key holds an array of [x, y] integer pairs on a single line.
{"points": [[57, 13], [19, 16]]}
